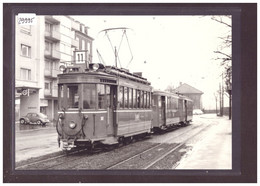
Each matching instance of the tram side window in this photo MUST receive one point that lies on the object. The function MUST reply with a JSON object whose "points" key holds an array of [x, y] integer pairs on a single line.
{"points": [[108, 95], [141, 99], [89, 96], [125, 97], [175, 103], [159, 102], [138, 100], [101, 96], [61, 97], [134, 98], [145, 99], [121, 97], [72, 96], [148, 100], [130, 98], [168, 102]]}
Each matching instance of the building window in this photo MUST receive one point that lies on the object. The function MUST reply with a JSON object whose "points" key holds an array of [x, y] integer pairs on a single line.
{"points": [[47, 65], [62, 47], [25, 74], [48, 46], [82, 44], [48, 27], [25, 50], [47, 86]]}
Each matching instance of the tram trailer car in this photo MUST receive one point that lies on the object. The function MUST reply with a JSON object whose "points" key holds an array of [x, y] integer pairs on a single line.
{"points": [[102, 105], [170, 109]]}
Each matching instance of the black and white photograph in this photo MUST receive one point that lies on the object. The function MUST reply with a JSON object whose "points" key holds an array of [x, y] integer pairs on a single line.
{"points": [[125, 92]]}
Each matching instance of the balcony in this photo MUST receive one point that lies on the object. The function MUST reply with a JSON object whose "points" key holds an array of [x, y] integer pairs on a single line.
{"points": [[51, 93], [52, 35], [53, 73], [75, 25], [74, 43], [47, 92], [52, 54], [53, 19]]}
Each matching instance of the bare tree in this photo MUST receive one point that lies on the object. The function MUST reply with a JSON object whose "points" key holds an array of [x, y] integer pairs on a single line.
{"points": [[224, 55], [170, 88]]}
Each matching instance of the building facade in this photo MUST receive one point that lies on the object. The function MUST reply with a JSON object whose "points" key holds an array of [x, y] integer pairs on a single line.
{"points": [[40, 50], [192, 93]]}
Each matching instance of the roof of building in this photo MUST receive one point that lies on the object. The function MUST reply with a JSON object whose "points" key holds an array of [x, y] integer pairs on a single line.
{"points": [[187, 89]]}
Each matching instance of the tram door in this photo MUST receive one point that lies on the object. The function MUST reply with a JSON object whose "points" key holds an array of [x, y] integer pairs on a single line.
{"points": [[111, 106], [186, 109], [163, 110]]}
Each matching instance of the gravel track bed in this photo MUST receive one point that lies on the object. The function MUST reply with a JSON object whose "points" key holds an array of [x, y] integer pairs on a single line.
{"points": [[105, 160], [171, 160], [141, 161], [32, 160], [86, 160]]}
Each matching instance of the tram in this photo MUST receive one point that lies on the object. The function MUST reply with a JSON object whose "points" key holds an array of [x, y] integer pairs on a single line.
{"points": [[101, 105], [170, 110]]}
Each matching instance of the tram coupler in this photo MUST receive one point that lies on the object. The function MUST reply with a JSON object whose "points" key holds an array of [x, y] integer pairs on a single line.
{"points": [[67, 145]]}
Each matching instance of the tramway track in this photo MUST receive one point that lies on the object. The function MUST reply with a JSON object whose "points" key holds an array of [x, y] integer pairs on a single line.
{"points": [[21, 167], [74, 157], [129, 163]]}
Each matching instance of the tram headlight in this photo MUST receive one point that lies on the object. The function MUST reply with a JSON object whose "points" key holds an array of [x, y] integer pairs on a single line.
{"points": [[95, 66], [62, 68], [72, 125]]}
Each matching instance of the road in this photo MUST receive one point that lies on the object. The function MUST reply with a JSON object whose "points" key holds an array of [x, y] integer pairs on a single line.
{"points": [[214, 149], [211, 149], [34, 140]]}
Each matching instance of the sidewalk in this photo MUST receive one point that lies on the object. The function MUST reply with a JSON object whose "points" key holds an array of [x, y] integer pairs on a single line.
{"points": [[214, 151]]}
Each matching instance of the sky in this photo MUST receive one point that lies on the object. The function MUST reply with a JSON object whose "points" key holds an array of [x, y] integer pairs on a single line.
{"points": [[168, 50]]}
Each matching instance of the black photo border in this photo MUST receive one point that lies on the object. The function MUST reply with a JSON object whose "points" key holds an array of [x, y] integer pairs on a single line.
{"points": [[244, 94]]}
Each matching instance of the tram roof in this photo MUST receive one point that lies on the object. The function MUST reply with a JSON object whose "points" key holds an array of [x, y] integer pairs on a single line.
{"points": [[109, 71], [165, 93]]}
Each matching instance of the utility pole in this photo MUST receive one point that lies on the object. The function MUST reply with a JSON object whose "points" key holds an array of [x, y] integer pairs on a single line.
{"points": [[115, 57], [220, 101], [230, 104], [222, 96]]}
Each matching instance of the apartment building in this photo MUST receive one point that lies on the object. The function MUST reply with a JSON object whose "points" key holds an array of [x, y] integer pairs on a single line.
{"points": [[40, 50]]}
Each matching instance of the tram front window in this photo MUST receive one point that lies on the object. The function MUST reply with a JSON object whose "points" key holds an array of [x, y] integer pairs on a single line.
{"points": [[89, 96], [72, 96]]}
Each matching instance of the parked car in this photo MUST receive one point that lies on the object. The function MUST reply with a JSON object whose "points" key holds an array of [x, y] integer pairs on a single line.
{"points": [[37, 118], [197, 112]]}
